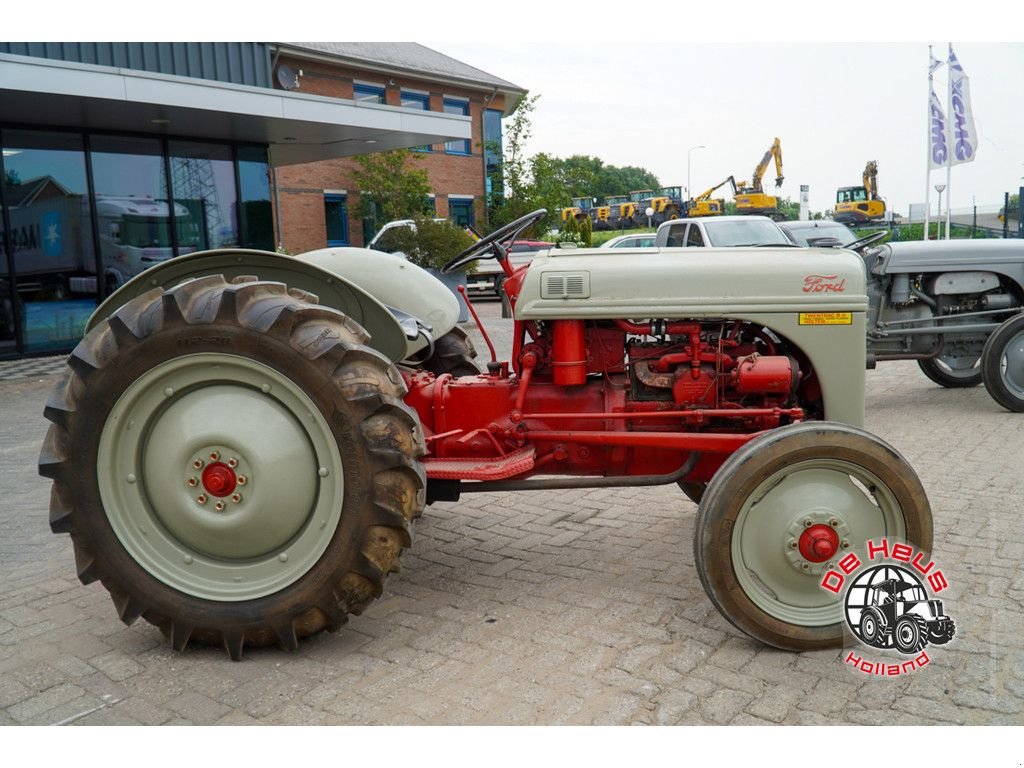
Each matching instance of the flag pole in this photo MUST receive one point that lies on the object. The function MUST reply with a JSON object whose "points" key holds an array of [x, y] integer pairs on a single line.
{"points": [[949, 153], [928, 146]]}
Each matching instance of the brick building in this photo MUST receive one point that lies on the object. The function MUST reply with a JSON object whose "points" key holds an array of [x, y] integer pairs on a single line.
{"points": [[318, 203], [117, 156]]}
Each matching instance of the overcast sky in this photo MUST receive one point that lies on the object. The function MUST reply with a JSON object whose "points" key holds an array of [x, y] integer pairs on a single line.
{"points": [[834, 106]]}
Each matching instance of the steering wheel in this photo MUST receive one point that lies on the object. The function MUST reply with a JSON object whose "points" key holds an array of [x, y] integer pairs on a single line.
{"points": [[491, 242], [867, 240]]}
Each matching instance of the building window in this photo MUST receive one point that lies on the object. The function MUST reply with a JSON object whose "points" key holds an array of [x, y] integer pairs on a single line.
{"points": [[416, 101], [336, 218], [203, 182], [460, 212], [368, 94], [53, 289], [256, 215], [492, 156], [457, 107]]}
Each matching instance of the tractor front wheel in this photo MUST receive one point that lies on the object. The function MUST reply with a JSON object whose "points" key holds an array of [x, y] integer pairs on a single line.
{"points": [[1002, 364], [952, 372], [784, 509], [233, 463], [453, 353], [910, 634]]}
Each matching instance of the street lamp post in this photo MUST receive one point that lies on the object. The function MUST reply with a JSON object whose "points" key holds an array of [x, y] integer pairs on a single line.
{"points": [[689, 195], [938, 234]]}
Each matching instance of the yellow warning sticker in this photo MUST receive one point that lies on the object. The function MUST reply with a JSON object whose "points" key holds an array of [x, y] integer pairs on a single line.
{"points": [[826, 318]]}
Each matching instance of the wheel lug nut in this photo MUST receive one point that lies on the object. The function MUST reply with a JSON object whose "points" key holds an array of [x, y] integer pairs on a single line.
{"points": [[193, 482], [219, 506], [242, 479], [198, 463], [236, 498], [232, 462], [805, 566], [846, 545], [808, 523], [201, 498], [793, 544], [834, 523], [214, 456]]}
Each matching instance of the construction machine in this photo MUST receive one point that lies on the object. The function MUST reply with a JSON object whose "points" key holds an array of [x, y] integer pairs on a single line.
{"points": [[704, 205], [579, 210], [860, 204], [667, 204], [609, 215], [751, 198]]}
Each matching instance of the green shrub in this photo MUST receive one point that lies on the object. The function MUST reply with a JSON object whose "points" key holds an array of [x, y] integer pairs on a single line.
{"points": [[429, 244]]}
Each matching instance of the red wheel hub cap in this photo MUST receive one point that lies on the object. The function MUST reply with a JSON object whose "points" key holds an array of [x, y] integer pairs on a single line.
{"points": [[818, 543], [219, 479]]}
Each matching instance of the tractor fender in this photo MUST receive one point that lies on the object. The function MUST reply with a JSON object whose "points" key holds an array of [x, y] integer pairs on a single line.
{"points": [[394, 281], [333, 290]]}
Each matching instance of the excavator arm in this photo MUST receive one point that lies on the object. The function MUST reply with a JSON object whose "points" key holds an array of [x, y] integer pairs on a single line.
{"points": [[774, 151], [706, 195], [871, 179]]}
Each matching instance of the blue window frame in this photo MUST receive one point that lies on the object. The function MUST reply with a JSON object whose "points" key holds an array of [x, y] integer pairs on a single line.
{"points": [[369, 94], [336, 219], [457, 107], [416, 101], [460, 212], [492, 155]]}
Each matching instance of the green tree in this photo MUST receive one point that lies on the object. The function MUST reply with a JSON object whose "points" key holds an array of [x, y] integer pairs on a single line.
{"points": [[429, 244], [389, 187]]}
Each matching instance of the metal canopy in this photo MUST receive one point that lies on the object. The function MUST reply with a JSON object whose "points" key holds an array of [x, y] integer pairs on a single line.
{"points": [[300, 128]]}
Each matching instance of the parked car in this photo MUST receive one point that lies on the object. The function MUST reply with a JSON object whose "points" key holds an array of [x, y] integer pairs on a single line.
{"points": [[953, 306], [824, 233], [630, 241], [721, 232], [488, 275]]}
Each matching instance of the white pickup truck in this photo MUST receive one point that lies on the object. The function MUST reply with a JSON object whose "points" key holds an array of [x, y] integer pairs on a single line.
{"points": [[720, 232]]}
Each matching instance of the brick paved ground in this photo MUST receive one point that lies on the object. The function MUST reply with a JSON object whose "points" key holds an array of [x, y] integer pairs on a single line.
{"points": [[559, 607]]}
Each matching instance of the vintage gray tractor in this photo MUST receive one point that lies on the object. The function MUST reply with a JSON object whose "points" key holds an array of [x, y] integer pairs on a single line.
{"points": [[901, 612], [242, 440], [955, 307]]}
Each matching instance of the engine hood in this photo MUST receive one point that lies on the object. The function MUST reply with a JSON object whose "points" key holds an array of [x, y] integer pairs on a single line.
{"points": [[690, 282], [1005, 256]]}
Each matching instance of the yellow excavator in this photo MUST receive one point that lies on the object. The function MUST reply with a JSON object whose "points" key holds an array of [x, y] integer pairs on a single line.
{"points": [[859, 204], [751, 198], [704, 205]]}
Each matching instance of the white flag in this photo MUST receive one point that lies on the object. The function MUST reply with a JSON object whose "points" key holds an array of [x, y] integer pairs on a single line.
{"points": [[933, 63], [937, 139], [963, 137]]}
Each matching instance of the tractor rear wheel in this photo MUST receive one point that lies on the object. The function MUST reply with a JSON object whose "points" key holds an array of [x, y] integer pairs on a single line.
{"points": [[1002, 364], [233, 463], [453, 353], [784, 509], [910, 633], [952, 372], [694, 491]]}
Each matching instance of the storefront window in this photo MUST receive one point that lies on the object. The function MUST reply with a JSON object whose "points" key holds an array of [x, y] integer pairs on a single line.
{"points": [[256, 216], [132, 210], [55, 277], [203, 182]]}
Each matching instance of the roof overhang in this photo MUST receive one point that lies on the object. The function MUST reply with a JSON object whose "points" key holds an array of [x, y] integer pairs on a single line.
{"points": [[299, 128]]}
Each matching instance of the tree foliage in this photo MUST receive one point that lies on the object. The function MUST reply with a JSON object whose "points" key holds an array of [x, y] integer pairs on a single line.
{"points": [[389, 185], [545, 181]]}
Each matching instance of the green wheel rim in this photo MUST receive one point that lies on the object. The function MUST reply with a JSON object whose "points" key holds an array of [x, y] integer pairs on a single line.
{"points": [[275, 521], [817, 489]]}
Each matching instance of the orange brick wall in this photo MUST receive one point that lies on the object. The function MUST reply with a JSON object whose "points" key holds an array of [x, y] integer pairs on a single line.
{"points": [[301, 187]]}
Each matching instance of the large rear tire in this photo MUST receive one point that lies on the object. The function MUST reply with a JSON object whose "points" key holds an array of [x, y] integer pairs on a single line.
{"points": [[751, 523], [454, 353], [233, 463]]}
